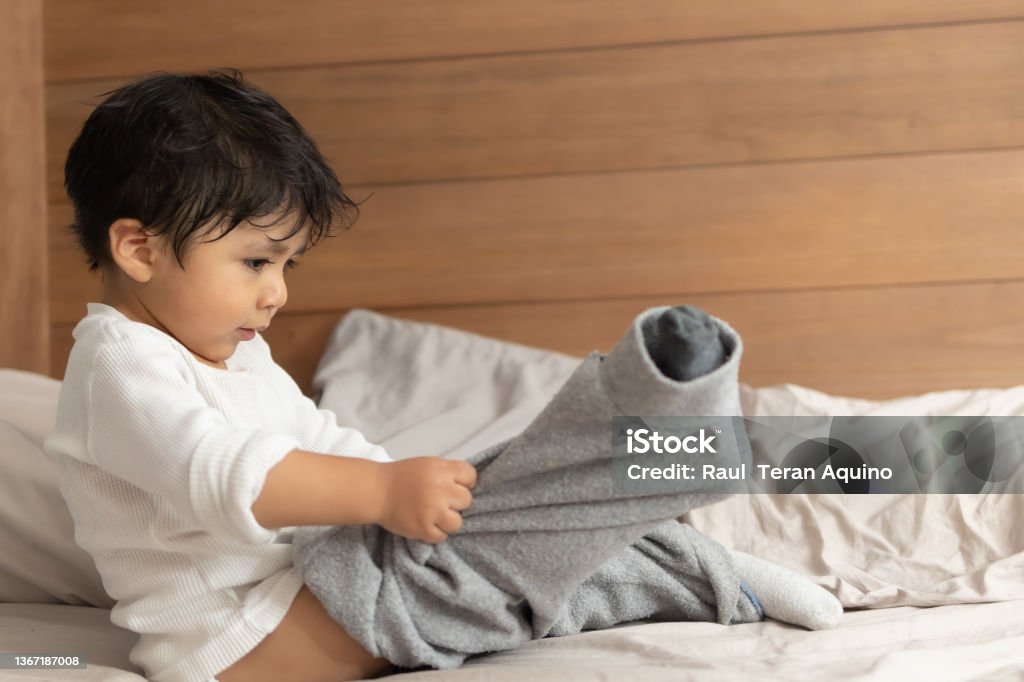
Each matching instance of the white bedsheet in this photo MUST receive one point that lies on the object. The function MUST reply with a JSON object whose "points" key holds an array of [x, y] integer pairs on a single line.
{"points": [[957, 642]]}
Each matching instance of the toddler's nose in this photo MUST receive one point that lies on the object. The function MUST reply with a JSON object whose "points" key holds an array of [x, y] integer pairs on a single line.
{"points": [[275, 295]]}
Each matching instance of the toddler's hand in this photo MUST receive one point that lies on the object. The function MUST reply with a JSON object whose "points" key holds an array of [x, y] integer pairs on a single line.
{"points": [[424, 495]]}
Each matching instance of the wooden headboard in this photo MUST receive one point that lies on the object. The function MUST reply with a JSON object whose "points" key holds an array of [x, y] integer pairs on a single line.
{"points": [[842, 182]]}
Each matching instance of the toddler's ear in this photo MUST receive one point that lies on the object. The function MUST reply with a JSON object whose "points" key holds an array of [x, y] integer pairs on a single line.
{"points": [[132, 249]]}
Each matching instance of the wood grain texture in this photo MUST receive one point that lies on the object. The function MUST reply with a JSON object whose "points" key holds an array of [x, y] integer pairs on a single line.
{"points": [[893, 220], [176, 35], [738, 101], [24, 314], [871, 342], [840, 181], [867, 342]]}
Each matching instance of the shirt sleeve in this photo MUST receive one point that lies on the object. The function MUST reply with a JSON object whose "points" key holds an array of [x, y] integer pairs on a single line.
{"points": [[318, 428], [149, 425]]}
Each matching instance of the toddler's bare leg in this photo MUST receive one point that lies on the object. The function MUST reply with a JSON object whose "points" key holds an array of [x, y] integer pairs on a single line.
{"points": [[307, 646]]}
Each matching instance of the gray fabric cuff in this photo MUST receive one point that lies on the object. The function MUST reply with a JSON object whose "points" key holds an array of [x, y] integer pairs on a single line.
{"points": [[639, 388]]}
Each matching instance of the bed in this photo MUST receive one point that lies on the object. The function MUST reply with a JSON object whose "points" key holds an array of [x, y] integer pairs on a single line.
{"points": [[840, 184], [931, 584]]}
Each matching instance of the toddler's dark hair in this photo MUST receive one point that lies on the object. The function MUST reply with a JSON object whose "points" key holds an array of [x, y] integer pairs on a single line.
{"points": [[176, 151]]}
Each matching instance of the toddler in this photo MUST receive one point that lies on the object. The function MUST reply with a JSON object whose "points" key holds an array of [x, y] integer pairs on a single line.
{"points": [[186, 455], [189, 459]]}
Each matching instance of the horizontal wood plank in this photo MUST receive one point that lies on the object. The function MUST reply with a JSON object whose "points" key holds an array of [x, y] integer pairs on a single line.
{"points": [[892, 220], [181, 35], [866, 342], [794, 97]]}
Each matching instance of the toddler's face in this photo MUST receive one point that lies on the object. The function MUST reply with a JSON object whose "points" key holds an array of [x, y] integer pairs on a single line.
{"points": [[228, 288]]}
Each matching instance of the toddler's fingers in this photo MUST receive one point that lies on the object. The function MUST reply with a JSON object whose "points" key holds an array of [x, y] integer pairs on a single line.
{"points": [[450, 522], [465, 474], [461, 498], [435, 535]]}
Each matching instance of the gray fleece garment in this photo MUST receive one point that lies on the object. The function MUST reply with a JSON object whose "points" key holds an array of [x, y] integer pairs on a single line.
{"points": [[550, 546]]}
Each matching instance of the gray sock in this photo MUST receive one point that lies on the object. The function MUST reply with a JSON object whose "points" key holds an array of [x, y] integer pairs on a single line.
{"points": [[684, 342]]}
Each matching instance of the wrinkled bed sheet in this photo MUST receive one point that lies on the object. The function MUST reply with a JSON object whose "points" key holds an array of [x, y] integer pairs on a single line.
{"points": [[958, 642]]}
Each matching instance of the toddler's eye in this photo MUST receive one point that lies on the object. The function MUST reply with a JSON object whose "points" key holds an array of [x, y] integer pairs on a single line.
{"points": [[256, 263]]}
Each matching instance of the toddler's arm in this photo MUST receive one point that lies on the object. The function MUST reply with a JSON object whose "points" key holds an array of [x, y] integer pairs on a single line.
{"points": [[418, 498]]}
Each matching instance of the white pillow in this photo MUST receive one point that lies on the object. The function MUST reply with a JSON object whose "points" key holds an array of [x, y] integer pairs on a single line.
{"points": [[40, 561], [420, 389], [424, 389]]}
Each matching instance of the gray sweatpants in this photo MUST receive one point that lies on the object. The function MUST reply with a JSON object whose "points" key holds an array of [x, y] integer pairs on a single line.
{"points": [[550, 545]]}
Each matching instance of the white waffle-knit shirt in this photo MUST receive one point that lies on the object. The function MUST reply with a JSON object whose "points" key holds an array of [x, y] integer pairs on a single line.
{"points": [[160, 459]]}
